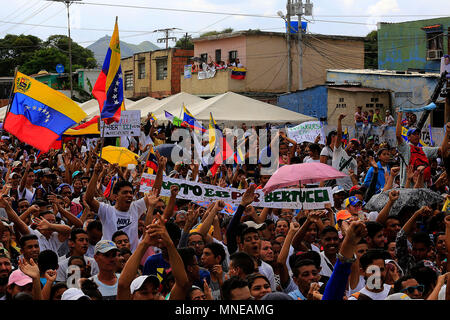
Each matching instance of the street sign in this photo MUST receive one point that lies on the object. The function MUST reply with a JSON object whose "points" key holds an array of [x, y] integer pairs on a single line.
{"points": [[59, 68]]}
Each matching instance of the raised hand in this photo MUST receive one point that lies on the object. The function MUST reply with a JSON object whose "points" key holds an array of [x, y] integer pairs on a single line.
{"points": [[174, 189], [42, 224], [50, 275], [341, 116], [356, 231], [249, 195], [373, 163], [395, 171], [98, 168], [394, 195], [294, 227], [219, 205], [30, 269], [152, 198]]}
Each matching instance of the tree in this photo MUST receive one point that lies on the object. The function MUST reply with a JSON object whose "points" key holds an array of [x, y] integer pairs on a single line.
{"points": [[185, 43], [31, 54], [371, 50]]}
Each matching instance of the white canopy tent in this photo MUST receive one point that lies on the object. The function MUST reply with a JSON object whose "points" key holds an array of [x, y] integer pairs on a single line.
{"points": [[93, 110], [172, 104], [232, 108], [142, 104]]}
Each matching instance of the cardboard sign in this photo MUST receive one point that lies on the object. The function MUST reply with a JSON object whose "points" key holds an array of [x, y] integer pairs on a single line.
{"points": [[129, 125]]}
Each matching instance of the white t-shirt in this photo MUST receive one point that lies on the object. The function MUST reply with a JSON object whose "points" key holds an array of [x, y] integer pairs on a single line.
{"points": [[63, 265], [325, 264], [113, 220], [108, 292], [26, 193], [375, 295], [327, 151], [267, 270], [51, 243], [361, 284], [340, 157]]}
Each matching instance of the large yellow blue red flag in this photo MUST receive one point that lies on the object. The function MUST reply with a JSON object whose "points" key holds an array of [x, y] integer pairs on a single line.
{"points": [[39, 115], [405, 137], [108, 89]]}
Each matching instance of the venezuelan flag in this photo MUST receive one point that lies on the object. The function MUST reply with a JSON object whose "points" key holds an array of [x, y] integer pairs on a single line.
{"points": [[238, 73], [221, 156], [39, 115], [345, 138], [189, 119], [108, 89], [212, 132], [87, 129], [152, 161]]}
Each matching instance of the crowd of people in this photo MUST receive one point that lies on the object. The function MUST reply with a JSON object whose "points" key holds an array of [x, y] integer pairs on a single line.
{"points": [[215, 65], [75, 227]]}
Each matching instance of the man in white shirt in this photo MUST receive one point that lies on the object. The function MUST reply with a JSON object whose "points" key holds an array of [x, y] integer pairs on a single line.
{"points": [[375, 288], [124, 215], [342, 158]]}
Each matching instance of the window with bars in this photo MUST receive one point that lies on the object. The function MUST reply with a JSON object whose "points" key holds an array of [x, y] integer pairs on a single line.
{"points": [[128, 80], [141, 70], [161, 69]]}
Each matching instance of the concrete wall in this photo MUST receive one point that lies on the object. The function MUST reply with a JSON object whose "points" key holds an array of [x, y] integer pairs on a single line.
{"points": [[321, 53], [142, 86], [311, 102], [403, 45], [161, 88], [350, 101], [127, 66], [229, 44], [407, 90]]}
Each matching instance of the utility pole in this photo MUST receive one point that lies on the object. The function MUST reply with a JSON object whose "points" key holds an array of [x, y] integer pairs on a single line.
{"points": [[287, 19], [300, 9], [166, 38], [68, 3]]}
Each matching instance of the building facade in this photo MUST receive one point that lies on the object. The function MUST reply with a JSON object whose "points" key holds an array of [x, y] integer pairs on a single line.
{"points": [[265, 58], [417, 45], [154, 73], [407, 89]]}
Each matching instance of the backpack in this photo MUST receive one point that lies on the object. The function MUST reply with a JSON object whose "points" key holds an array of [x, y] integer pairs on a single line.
{"points": [[417, 159]]}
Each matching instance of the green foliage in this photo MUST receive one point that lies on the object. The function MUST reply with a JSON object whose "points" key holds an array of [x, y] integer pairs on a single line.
{"points": [[185, 43], [214, 33], [371, 50], [32, 54]]}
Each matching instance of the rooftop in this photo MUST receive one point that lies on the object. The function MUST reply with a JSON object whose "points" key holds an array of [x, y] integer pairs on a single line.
{"points": [[273, 34], [353, 88], [387, 72]]}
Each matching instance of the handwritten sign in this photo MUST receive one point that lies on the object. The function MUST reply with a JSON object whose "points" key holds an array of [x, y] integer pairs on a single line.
{"points": [[129, 125]]}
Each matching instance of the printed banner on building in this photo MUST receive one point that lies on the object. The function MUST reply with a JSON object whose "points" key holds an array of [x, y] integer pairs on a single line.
{"points": [[295, 198], [129, 125], [307, 132], [188, 71]]}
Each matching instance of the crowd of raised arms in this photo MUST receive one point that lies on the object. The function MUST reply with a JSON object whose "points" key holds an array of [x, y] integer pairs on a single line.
{"points": [[75, 227]]}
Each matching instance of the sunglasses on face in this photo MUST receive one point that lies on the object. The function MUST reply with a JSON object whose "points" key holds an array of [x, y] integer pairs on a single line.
{"points": [[411, 290]]}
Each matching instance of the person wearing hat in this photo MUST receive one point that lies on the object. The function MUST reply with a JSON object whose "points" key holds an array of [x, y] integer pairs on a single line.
{"points": [[342, 158], [411, 153], [106, 256], [74, 294], [146, 287]]}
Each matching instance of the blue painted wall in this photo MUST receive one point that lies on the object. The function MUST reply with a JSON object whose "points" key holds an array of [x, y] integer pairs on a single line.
{"points": [[311, 102]]}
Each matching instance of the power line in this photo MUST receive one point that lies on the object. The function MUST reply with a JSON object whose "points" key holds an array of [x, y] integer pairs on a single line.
{"points": [[35, 13]]}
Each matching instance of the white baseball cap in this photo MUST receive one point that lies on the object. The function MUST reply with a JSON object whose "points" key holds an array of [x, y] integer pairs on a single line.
{"points": [[73, 294], [139, 281]]}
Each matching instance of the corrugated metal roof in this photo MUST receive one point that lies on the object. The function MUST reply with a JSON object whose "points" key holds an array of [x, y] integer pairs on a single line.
{"points": [[357, 89]]}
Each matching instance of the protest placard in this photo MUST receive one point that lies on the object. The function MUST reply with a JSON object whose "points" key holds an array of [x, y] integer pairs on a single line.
{"points": [[188, 71], [129, 125], [294, 198], [307, 132]]}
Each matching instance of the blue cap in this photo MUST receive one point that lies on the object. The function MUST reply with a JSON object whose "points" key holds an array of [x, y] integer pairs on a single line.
{"points": [[353, 200], [411, 131]]}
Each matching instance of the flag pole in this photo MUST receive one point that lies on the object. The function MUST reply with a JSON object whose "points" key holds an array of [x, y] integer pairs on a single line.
{"points": [[102, 137], [8, 107]]}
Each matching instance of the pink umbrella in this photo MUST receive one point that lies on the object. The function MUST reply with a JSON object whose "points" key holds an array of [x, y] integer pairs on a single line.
{"points": [[293, 175]]}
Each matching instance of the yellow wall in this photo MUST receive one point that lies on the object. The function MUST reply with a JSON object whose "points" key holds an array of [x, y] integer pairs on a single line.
{"points": [[351, 101], [161, 85], [142, 86], [127, 66]]}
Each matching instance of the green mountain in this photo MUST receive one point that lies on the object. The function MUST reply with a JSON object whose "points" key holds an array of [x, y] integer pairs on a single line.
{"points": [[100, 47]]}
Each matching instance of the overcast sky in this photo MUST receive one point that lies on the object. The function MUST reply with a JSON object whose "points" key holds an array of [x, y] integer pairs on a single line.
{"points": [[137, 24]]}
